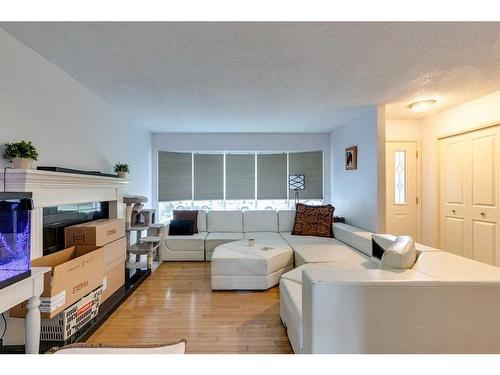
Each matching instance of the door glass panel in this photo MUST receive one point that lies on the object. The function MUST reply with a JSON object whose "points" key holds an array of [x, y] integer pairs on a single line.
{"points": [[400, 177]]}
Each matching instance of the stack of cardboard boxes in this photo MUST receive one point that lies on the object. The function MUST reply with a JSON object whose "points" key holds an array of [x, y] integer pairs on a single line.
{"points": [[94, 257], [110, 235]]}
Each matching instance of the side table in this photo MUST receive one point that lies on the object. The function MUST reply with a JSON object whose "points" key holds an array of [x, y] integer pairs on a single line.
{"points": [[27, 289]]}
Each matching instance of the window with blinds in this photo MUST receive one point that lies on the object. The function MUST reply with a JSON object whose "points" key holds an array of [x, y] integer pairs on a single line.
{"points": [[272, 176], [187, 177], [309, 164], [240, 176], [174, 176], [208, 177]]}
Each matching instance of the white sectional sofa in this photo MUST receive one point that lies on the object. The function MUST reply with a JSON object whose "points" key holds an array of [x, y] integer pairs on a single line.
{"points": [[443, 304], [219, 227], [339, 300]]}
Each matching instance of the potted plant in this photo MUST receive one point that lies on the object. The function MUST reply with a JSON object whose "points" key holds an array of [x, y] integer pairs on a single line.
{"points": [[21, 154], [122, 170]]}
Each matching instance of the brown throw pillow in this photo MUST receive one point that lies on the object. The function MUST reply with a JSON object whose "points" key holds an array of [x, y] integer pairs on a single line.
{"points": [[313, 220], [186, 215]]}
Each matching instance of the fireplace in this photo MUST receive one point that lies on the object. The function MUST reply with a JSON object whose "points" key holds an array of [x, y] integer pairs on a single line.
{"points": [[56, 189], [15, 237], [55, 219]]}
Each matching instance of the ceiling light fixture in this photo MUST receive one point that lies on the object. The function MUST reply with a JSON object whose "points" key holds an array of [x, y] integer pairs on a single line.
{"points": [[422, 106]]}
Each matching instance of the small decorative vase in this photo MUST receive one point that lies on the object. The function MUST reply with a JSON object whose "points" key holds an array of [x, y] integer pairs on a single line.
{"points": [[122, 174], [21, 163]]}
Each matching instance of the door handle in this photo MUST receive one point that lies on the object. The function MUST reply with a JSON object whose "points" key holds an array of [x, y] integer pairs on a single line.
{"points": [[453, 211], [482, 214]]}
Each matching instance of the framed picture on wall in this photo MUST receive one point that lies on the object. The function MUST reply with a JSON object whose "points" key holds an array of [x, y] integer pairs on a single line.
{"points": [[351, 158]]}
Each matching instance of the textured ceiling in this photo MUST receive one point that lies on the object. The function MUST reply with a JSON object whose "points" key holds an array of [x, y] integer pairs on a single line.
{"points": [[276, 77]]}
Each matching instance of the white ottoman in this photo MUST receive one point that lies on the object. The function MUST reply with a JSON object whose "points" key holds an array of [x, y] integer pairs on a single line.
{"points": [[238, 266]]}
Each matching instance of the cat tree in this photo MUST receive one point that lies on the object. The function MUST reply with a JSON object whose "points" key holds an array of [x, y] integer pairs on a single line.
{"points": [[138, 221]]}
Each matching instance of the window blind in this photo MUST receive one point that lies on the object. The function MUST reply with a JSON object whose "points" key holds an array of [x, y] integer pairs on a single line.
{"points": [[240, 176], [208, 176], [174, 176], [271, 176], [310, 164]]}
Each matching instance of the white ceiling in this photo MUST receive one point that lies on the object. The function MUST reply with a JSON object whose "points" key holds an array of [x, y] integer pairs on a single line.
{"points": [[269, 77]]}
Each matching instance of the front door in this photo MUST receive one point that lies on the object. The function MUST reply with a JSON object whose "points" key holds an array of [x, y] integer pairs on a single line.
{"points": [[401, 185]]}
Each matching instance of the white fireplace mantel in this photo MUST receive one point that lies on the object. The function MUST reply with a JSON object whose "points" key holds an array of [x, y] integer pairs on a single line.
{"points": [[56, 188], [51, 189]]}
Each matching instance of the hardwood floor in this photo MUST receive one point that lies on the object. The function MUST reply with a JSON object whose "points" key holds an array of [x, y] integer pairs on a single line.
{"points": [[177, 302]]}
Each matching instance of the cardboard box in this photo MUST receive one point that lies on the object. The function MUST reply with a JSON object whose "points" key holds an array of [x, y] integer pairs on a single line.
{"points": [[114, 253], [113, 280], [94, 233], [114, 267], [76, 271]]}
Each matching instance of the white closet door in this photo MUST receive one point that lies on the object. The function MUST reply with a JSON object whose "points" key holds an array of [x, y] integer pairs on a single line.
{"points": [[469, 166], [484, 195], [454, 195]]}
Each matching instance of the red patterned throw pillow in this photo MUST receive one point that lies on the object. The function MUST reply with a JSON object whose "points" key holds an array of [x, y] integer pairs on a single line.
{"points": [[313, 220]]}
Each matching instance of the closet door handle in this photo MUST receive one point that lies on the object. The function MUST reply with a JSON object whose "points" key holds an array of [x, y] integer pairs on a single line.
{"points": [[482, 214], [453, 211]]}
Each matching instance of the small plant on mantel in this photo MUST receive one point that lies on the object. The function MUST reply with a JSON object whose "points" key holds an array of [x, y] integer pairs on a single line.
{"points": [[122, 170], [21, 154]]}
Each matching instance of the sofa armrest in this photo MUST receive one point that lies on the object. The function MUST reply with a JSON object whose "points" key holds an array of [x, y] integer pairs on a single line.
{"points": [[368, 311], [397, 311]]}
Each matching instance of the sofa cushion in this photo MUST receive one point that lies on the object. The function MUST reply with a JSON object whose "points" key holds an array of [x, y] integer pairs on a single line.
{"points": [[424, 249], [291, 311], [196, 242], [310, 249], [224, 221], [184, 215], [260, 221], [445, 266], [286, 219], [202, 221], [218, 238], [357, 238], [295, 293], [401, 254], [318, 255], [263, 236], [313, 220], [296, 274]]}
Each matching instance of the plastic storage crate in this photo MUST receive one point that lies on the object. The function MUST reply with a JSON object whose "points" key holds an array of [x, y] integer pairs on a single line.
{"points": [[69, 321]]}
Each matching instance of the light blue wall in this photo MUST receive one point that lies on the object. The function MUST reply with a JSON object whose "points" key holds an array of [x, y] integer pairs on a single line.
{"points": [[357, 194]]}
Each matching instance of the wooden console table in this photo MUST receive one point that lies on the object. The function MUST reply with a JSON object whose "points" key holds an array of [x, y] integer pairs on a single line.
{"points": [[27, 289]]}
